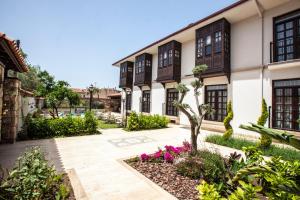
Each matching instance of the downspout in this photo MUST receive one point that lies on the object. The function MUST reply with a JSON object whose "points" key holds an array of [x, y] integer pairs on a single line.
{"points": [[260, 12]]}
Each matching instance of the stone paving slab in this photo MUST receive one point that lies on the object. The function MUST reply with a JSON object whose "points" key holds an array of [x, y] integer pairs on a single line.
{"points": [[96, 160]]}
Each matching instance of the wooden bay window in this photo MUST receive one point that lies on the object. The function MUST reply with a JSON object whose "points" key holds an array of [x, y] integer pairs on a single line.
{"points": [[213, 48]]}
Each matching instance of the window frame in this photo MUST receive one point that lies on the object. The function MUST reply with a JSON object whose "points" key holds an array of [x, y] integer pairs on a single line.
{"points": [[146, 104], [170, 109], [295, 105], [208, 100], [128, 101], [294, 17], [208, 46], [218, 42]]}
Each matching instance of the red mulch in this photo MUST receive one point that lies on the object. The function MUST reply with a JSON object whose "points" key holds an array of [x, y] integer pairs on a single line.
{"points": [[164, 175]]}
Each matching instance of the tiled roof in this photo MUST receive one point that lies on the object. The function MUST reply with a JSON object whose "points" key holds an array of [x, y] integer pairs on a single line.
{"points": [[16, 51]]}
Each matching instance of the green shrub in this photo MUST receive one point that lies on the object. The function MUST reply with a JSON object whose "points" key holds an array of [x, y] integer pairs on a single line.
{"points": [[237, 143], [227, 120], [212, 166], [208, 192], [265, 141], [90, 122], [133, 122], [32, 178], [144, 122], [37, 128], [190, 167]]}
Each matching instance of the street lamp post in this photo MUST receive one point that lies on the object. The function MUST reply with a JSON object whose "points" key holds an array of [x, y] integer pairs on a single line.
{"points": [[124, 114], [91, 90]]}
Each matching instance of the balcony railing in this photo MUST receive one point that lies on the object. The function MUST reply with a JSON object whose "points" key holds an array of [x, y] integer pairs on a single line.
{"points": [[274, 58]]}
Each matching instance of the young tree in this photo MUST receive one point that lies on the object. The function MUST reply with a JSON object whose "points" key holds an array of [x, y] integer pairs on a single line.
{"points": [[30, 80], [195, 117], [73, 98], [60, 93]]}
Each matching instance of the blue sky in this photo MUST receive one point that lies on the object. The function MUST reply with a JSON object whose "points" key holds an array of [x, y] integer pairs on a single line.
{"points": [[77, 41]]}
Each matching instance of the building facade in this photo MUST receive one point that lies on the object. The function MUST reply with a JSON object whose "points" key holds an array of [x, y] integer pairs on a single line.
{"points": [[252, 50], [103, 98]]}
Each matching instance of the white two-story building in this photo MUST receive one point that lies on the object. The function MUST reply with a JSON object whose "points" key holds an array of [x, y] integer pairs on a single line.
{"points": [[252, 50]]}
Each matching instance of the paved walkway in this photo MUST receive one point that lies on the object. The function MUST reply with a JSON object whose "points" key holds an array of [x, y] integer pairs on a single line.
{"points": [[96, 161]]}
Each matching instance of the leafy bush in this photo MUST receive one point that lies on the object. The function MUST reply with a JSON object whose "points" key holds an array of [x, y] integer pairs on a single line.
{"points": [[207, 165], [212, 166], [133, 122], [265, 141], [90, 122], [32, 178], [143, 122], [227, 120], [190, 167], [237, 143], [36, 128], [267, 179]]}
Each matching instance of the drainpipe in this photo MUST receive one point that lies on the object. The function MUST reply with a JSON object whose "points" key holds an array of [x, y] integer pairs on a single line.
{"points": [[260, 12]]}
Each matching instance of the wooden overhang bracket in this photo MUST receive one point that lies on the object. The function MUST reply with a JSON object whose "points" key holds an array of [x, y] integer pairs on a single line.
{"points": [[228, 77]]}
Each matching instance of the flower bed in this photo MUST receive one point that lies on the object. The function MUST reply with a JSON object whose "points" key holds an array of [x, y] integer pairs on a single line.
{"points": [[207, 175], [166, 167], [165, 175]]}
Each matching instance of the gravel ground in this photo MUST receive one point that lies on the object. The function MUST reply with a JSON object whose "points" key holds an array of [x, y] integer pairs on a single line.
{"points": [[164, 175]]}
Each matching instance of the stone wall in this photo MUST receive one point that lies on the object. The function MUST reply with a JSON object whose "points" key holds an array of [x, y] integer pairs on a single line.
{"points": [[10, 110], [1, 95]]}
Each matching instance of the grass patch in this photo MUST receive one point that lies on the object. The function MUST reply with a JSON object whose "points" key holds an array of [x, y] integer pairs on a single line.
{"points": [[238, 143], [104, 125]]}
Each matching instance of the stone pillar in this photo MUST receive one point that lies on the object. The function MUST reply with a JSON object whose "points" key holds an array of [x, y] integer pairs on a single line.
{"points": [[1, 96], [10, 110]]}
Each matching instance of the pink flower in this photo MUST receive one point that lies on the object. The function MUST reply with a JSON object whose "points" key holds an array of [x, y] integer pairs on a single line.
{"points": [[186, 146], [172, 149], [168, 157], [145, 157], [157, 154], [179, 150]]}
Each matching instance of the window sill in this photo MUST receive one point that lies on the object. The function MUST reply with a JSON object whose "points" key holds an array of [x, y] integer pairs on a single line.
{"points": [[284, 64]]}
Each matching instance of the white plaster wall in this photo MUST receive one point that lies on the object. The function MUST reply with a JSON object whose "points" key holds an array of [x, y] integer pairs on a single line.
{"points": [[157, 98], [246, 41], [188, 58], [246, 97], [154, 67], [123, 96], [135, 102]]}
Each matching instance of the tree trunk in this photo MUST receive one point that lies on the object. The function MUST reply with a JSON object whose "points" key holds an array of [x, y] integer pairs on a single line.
{"points": [[193, 140], [56, 112]]}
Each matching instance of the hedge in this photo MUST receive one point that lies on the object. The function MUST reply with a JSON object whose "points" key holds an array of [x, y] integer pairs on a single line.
{"points": [[142, 122], [37, 128]]}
